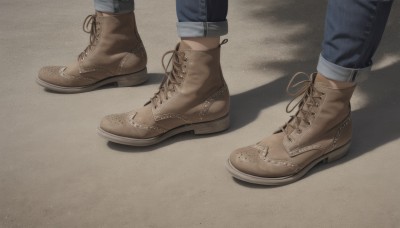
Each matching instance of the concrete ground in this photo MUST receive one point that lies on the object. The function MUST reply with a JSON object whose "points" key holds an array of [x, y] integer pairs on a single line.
{"points": [[56, 172]]}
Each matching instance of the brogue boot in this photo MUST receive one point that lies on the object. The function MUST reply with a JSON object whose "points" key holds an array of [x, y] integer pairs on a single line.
{"points": [[320, 131], [192, 97], [115, 54]]}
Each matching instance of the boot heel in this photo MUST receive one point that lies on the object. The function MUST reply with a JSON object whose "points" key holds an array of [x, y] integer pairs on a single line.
{"points": [[133, 79], [212, 126], [338, 153]]}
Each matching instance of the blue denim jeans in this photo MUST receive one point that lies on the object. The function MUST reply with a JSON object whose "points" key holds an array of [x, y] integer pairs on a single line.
{"points": [[353, 30], [114, 6], [196, 18]]}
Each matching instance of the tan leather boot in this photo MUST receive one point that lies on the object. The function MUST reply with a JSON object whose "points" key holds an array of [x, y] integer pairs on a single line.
{"points": [[320, 131], [115, 55], [192, 97]]}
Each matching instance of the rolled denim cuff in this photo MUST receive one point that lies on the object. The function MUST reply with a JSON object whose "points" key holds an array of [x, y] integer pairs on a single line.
{"points": [[202, 29], [339, 73], [114, 6]]}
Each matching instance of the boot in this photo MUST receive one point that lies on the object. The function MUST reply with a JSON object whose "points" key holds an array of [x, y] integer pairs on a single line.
{"points": [[320, 131], [115, 54], [192, 97]]}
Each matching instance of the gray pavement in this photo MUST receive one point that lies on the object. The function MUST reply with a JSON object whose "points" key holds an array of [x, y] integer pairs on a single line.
{"points": [[56, 172]]}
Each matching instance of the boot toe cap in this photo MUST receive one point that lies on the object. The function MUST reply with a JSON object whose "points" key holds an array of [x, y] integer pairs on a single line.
{"points": [[115, 124], [254, 160], [53, 77], [124, 126], [50, 74], [245, 160]]}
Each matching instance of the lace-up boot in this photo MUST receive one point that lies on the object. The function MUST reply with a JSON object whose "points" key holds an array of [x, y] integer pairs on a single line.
{"points": [[320, 131], [115, 54], [192, 97]]}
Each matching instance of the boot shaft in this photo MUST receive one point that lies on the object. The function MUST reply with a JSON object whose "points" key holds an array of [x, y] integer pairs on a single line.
{"points": [[324, 113], [201, 81], [118, 33], [203, 72]]}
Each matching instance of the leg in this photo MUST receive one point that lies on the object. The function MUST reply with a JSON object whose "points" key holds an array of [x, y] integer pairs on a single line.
{"points": [[115, 53], [353, 30], [321, 129], [193, 96]]}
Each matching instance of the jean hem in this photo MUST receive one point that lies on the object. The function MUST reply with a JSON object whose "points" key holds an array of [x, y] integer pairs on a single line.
{"points": [[114, 6], [339, 73], [202, 29]]}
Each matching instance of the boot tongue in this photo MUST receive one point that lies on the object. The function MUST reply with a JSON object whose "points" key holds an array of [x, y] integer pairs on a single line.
{"points": [[183, 46], [321, 81], [303, 106], [180, 47]]}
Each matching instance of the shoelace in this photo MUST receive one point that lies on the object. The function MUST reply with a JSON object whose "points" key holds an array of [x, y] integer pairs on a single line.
{"points": [[89, 26], [309, 98], [172, 78]]}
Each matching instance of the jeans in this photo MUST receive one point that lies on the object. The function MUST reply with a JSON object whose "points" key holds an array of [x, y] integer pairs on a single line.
{"points": [[196, 18], [353, 30]]}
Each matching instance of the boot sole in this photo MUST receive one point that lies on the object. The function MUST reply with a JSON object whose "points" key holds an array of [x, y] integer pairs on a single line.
{"points": [[214, 126], [330, 157], [121, 81]]}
